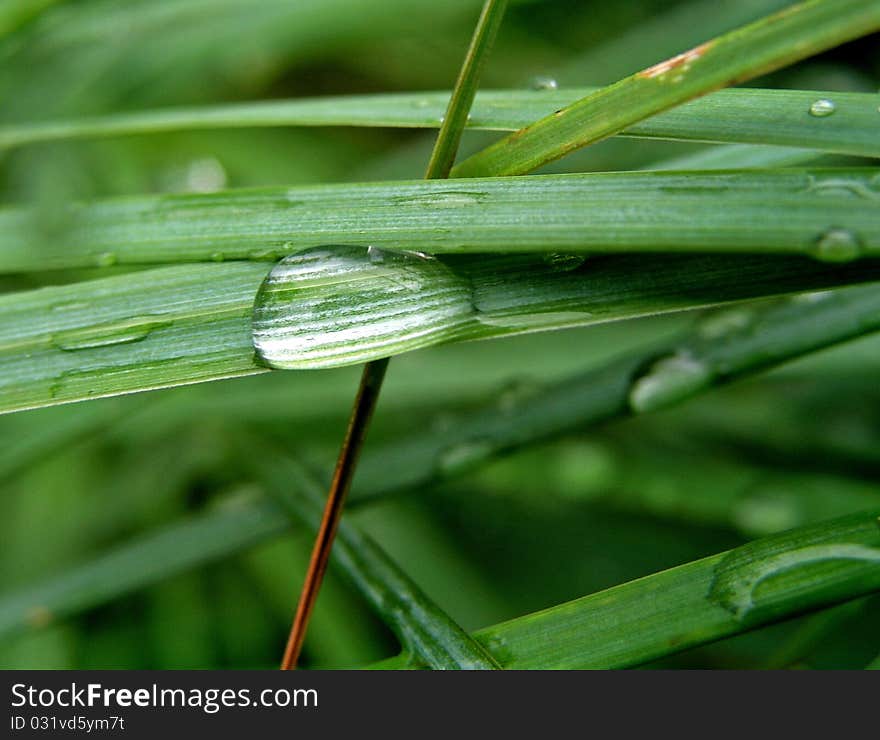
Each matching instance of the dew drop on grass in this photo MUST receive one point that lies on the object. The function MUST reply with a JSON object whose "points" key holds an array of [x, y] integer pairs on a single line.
{"points": [[822, 108], [542, 82], [668, 380], [463, 455], [837, 245], [339, 305], [106, 259], [218, 257]]}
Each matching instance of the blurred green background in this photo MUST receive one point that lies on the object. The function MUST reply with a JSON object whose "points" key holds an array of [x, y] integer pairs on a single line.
{"points": [[596, 508]]}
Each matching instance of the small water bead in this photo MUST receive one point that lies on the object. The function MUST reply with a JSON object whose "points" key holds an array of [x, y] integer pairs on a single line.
{"points": [[563, 262], [218, 257], [668, 380], [542, 82], [837, 245], [822, 108], [106, 259], [339, 305], [462, 456]]}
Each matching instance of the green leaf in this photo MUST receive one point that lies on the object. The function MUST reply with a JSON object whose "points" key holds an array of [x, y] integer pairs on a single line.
{"points": [[457, 112], [422, 626], [775, 117], [677, 609], [773, 42], [828, 214], [469, 439], [192, 323]]}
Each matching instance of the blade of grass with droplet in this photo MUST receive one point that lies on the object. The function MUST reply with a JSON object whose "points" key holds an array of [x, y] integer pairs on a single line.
{"points": [[735, 211], [759, 583], [192, 323], [470, 439], [786, 37], [421, 625], [775, 117]]}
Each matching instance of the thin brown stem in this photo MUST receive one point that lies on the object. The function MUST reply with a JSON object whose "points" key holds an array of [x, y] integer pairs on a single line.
{"points": [[364, 405], [441, 161]]}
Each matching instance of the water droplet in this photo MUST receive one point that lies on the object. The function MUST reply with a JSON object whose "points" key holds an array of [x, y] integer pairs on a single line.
{"points": [[106, 259], [743, 581], [542, 82], [338, 305], [837, 245], [563, 262], [218, 257], [205, 176], [822, 108], [669, 379], [725, 323], [107, 335], [463, 456]]}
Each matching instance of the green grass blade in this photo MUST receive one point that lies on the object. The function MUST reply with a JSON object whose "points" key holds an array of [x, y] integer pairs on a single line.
{"points": [[874, 665], [460, 102], [143, 330], [828, 214], [759, 583], [738, 156], [192, 323], [788, 36], [775, 117], [421, 625], [472, 438], [237, 524]]}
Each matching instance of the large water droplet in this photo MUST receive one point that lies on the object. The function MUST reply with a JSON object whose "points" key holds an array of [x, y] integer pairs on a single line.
{"points": [[669, 379], [822, 108], [338, 305], [542, 82], [837, 245]]}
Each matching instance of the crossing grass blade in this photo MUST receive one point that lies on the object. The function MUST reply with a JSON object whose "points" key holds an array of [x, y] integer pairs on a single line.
{"points": [[727, 347], [756, 584], [192, 323], [773, 42], [828, 215], [421, 625], [775, 117]]}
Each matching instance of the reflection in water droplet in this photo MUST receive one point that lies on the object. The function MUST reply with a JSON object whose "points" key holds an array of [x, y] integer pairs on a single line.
{"points": [[544, 83], [338, 305], [218, 257], [520, 321], [837, 245], [669, 379], [822, 108], [106, 259]]}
